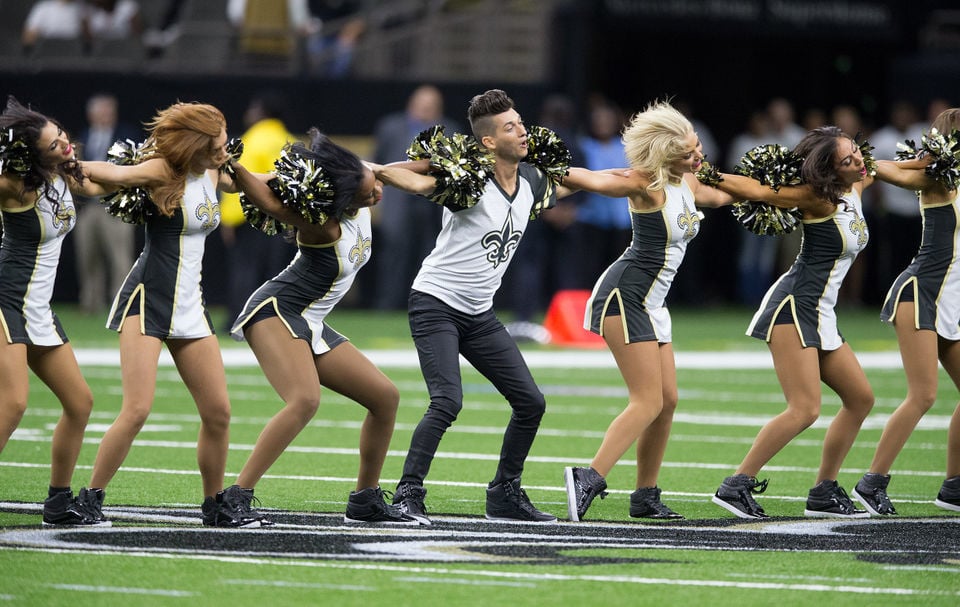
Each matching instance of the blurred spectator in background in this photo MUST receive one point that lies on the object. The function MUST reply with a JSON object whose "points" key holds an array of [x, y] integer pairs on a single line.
{"points": [[406, 228], [103, 244], [603, 229], [252, 256], [160, 35], [112, 19], [270, 29], [896, 210], [52, 19], [330, 48], [758, 254], [545, 256]]}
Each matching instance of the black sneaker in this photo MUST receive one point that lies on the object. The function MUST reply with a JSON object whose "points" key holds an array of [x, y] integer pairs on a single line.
{"points": [[871, 491], [735, 494], [62, 508], [91, 500], [583, 485], [369, 506], [508, 502], [645, 503], [231, 508], [828, 499], [409, 498], [949, 496]]}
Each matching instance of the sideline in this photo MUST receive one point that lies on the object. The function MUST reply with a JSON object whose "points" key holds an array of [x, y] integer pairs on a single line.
{"points": [[539, 359]]}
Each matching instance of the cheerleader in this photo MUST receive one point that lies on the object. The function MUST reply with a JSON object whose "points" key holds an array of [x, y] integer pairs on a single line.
{"points": [[161, 301], [38, 174], [284, 321], [627, 306], [923, 305]]}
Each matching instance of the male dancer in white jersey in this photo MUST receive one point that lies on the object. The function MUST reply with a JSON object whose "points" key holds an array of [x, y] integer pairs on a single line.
{"points": [[450, 310]]}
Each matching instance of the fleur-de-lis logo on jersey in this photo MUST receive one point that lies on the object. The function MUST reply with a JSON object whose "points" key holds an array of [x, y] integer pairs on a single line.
{"points": [[64, 219], [859, 228], [502, 243], [360, 251], [208, 213], [688, 221]]}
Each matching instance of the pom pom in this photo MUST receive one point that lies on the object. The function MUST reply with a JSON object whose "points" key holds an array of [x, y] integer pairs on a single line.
{"points": [[302, 185], [775, 166], [866, 150], [459, 164], [547, 152], [131, 205], [708, 174], [945, 151], [766, 220], [234, 150], [260, 220], [16, 157]]}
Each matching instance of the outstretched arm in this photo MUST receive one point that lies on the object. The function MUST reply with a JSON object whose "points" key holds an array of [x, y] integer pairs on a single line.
{"points": [[615, 183], [787, 197], [150, 173], [254, 186], [707, 196], [397, 176], [907, 174]]}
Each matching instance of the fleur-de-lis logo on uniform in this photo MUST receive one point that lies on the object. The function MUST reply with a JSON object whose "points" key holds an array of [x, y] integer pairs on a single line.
{"points": [[859, 228], [502, 243], [688, 221], [64, 219], [208, 213], [360, 251]]}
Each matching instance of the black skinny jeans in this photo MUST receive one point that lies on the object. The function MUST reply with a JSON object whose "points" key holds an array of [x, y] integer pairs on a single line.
{"points": [[441, 334]]}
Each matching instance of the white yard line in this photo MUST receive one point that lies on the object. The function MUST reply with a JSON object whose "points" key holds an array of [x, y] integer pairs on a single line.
{"points": [[541, 359]]}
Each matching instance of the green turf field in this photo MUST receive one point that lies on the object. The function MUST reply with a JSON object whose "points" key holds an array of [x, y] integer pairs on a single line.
{"points": [[609, 560]]}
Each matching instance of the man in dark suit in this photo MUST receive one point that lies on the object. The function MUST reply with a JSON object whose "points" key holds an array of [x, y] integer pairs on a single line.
{"points": [[103, 244], [406, 228]]}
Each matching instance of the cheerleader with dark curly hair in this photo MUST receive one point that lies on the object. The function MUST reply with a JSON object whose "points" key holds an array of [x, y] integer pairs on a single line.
{"points": [[284, 320], [38, 173], [798, 321]]}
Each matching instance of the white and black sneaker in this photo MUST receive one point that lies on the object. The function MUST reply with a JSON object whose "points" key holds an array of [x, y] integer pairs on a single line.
{"points": [[829, 500], [871, 491], [583, 486], [369, 506], [736, 495], [409, 499], [507, 501], [949, 496]]}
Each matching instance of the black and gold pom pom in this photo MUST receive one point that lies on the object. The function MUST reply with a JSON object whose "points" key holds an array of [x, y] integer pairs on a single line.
{"points": [[257, 218], [15, 154], [708, 174], [945, 151], [547, 152], [775, 166], [130, 205], [303, 185], [459, 164], [234, 150]]}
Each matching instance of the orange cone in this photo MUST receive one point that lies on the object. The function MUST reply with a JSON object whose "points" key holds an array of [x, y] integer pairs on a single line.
{"points": [[564, 320]]}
